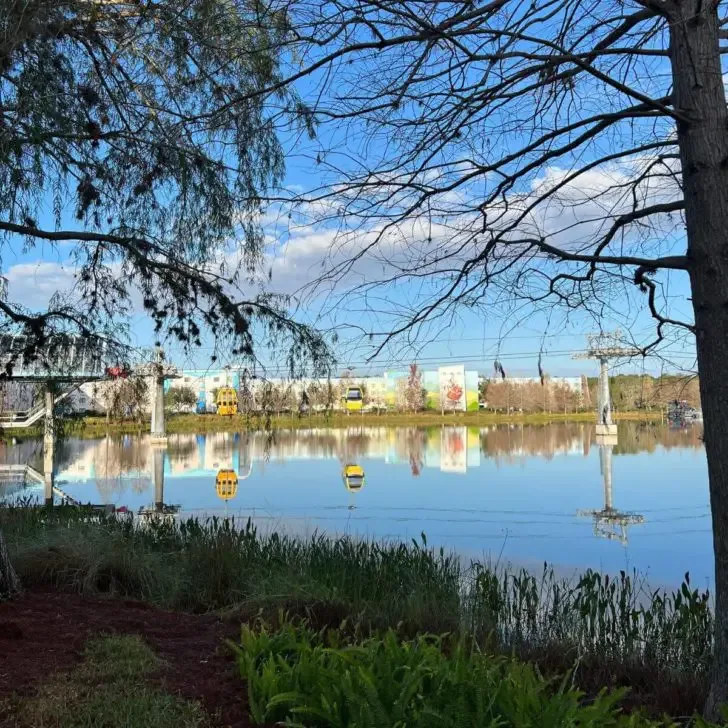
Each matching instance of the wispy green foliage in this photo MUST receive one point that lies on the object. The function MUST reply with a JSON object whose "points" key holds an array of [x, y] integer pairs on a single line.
{"points": [[145, 128]]}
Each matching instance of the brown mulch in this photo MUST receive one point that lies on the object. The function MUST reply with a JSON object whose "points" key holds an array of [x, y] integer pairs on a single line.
{"points": [[42, 633]]}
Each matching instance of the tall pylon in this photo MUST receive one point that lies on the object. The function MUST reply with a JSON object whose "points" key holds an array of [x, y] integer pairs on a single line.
{"points": [[604, 346]]}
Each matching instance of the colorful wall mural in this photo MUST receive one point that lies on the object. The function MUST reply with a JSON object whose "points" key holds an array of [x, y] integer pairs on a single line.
{"points": [[454, 386]]}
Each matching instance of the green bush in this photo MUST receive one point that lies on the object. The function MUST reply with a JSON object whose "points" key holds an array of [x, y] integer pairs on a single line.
{"points": [[299, 677]]}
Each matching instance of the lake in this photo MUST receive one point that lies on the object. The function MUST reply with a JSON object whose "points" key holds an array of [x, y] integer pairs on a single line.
{"points": [[518, 493]]}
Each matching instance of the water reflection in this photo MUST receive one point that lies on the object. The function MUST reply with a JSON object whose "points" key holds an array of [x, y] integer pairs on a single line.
{"points": [[21, 467], [130, 464], [509, 491], [610, 522]]}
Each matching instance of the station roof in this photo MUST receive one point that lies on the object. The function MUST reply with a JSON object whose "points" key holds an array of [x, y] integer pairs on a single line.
{"points": [[62, 359]]}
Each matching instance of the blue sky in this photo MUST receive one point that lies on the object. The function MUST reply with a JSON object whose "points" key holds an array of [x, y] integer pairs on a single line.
{"points": [[513, 333], [472, 337]]}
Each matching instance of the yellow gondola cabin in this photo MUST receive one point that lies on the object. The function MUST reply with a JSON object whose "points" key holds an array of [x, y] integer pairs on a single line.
{"points": [[353, 399], [353, 477], [226, 484], [227, 401]]}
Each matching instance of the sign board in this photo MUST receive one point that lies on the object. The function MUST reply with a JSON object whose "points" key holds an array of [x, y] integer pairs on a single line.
{"points": [[452, 388], [453, 450]]}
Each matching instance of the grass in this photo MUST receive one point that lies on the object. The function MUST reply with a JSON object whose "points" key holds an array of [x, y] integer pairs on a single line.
{"points": [[110, 688], [201, 567], [97, 426], [298, 676], [617, 631]]}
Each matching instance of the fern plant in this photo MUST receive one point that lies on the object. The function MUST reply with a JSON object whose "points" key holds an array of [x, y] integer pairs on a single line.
{"points": [[302, 678]]}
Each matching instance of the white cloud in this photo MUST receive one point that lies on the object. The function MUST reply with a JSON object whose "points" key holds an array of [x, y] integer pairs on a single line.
{"points": [[574, 218], [33, 284], [305, 246]]}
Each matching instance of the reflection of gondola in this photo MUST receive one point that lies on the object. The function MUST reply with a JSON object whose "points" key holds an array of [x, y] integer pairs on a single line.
{"points": [[226, 484], [353, 477]]}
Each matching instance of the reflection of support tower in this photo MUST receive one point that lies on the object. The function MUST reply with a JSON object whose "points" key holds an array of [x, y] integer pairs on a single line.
{"points": [[160, 510], [605, 468], [609, 522], [603, 347], [158, 475], [244, 465], [49, 442]]}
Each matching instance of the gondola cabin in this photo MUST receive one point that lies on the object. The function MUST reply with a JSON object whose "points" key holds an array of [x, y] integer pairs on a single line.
{"points": [[353, 399], [226, 484], [227, 401], [353, 477]]}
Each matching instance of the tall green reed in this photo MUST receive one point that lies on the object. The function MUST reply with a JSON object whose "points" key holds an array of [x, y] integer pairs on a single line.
{"points": [[225, 564], [616, 618]]}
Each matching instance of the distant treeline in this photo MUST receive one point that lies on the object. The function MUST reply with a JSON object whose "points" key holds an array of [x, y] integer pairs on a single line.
{"points": [[633, 391], [628, 392]]}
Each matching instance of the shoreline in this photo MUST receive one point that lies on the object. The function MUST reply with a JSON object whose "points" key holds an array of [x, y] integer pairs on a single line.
{"points": [[406, 589], [89, 427]]}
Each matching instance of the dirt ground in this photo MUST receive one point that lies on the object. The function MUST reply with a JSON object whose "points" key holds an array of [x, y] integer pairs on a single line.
{"points": [[44, 633]]}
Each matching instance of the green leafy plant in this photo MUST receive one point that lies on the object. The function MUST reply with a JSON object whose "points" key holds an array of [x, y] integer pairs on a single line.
{"points": [[297, 677]]}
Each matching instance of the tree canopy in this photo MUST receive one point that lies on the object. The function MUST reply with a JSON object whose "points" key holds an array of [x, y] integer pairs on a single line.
{"points": [[180, 398], [498, 154], [134, 137]]}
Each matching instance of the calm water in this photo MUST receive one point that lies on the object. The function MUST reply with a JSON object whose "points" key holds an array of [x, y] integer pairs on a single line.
{"points": [[525, 494]]}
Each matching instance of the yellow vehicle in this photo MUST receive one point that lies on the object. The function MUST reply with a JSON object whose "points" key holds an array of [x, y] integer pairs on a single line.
{"points": [[227, 401], [353, 477], [226, 484], [353, 399]]}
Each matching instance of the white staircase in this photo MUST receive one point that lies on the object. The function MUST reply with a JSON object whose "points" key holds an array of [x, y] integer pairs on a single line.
{"points": [[28, 418]]}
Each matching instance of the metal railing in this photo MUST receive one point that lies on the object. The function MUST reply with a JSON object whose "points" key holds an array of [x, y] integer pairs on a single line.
{"points": [[25, 418]]}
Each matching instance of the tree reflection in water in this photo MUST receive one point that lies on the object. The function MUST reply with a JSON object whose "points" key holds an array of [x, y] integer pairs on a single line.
{"points": [[119, 462]]}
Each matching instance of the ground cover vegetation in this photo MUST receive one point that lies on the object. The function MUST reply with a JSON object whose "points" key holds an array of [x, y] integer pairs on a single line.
{"points": [[603, 632]]}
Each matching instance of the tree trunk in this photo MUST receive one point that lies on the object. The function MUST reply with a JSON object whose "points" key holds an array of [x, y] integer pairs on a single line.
{"points": [[9, 582], [703, 142]]}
